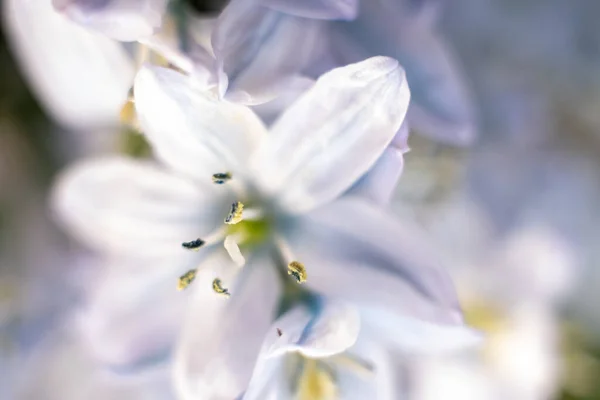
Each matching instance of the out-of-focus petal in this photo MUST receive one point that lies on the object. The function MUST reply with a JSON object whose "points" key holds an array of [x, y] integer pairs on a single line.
{"points": [[441, 106], [82, 79], [192, 132], [333, 134], [126, 20], [132, 311], [354, 251], [127, 207], [321, 9], [413, 336], [222, 336], [258, 51]]}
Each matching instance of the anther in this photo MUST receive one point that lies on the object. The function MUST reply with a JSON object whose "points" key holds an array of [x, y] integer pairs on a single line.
{"points": [[235, 215], [218, 288], [279, 332], [193, 245], [297, 270], [186, 279], [221, 177]]}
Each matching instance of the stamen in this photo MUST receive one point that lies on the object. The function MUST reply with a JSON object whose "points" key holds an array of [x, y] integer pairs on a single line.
{"points": [[235, 215], [218, 288], [193, 245], [295, 268], [357, 365], [221, 177], [298, 271], [186, 279], [234, 251]]}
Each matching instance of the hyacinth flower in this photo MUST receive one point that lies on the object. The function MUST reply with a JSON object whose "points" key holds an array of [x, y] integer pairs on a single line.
{"points": [[257, 49], [261, 46], [263, 210]]}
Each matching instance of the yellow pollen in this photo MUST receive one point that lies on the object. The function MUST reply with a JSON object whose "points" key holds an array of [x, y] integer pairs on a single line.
{"points": [[186, 279], [235, 215], [316, 383], [218, 288], [297, 270], [128, 116]]}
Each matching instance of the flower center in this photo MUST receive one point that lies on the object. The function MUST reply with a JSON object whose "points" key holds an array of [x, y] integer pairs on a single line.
{"points": [[244, 228]]}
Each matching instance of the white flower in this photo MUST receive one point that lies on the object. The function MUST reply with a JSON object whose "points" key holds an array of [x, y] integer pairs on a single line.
{"points": [[326, 354], [81, 78], [261, 46], [289, 182]]}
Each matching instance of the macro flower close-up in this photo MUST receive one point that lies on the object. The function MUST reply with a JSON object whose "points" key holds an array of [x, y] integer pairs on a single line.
{"points": [[299, 200]]}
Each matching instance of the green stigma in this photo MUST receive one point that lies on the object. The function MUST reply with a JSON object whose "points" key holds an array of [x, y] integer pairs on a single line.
{"points": [[251, 232]]}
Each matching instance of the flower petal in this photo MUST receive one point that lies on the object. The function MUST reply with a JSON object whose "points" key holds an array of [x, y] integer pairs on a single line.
{"points": [[378, 185], [133, 208], [331, 330], [441, 106], [191, 132], [222, 337], [321, 9], [258, 52], [82, 79], [126, 20], [413, 336], [334, 133], [124, 303], [356, 252]]}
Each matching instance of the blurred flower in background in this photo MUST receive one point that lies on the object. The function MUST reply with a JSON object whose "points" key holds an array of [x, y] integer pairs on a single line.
{"points": [[514, 217]]}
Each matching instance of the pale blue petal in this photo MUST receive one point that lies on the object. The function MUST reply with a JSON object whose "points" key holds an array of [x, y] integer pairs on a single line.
{"points": [[321, 9], [358, 252], [441, 106], [126, 207], [414, 336], [258, 51], [222, 337], [333, 134], [126, 20]]}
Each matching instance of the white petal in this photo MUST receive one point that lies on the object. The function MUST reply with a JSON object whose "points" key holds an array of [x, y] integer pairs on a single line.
{"points": [[324, 9], [222, 336], [329, 330], [355, 251], [258, 51], [414, 336], [334, 133], [127, 207], [126, 20], [82, 79], [125, 302], [441, 105], [191, 132]]}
